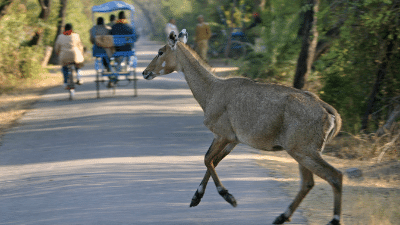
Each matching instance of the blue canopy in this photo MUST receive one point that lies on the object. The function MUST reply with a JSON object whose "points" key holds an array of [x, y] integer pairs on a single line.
{"points": [[112, 6]]}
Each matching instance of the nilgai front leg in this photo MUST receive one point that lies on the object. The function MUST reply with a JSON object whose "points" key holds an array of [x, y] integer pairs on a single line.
{"points": [[202, 187], [213, 152]]}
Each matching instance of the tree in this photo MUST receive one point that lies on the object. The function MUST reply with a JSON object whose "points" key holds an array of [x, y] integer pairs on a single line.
{"points": [[307, 52], [61, 23], [382, 70], [361, 71], [230, 29], [44, 14]]}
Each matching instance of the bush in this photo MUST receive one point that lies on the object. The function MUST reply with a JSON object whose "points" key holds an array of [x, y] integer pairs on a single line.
{"points": [[16, 60], [349, 70]]}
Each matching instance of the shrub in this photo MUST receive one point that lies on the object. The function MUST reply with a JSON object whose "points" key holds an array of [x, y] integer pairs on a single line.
{"points": [[16, 60]]}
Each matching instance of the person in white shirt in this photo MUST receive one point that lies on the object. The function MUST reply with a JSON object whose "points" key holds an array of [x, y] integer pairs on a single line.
{"points": [[171, 27]]}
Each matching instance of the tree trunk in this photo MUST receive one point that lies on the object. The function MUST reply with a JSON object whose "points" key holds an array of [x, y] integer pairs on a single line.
{"points": [[379, 79], [44, 14], [313, 45], [60, 26], [304, 61], [393, 116], [324, 45], [4, 6], [228, 45]]}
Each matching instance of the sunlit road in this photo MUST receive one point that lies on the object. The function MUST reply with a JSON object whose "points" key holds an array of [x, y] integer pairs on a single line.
{"points": [[126, 160]]}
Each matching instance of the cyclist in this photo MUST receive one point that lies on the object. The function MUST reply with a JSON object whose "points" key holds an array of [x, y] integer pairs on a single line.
{"points": [[69, 48]]}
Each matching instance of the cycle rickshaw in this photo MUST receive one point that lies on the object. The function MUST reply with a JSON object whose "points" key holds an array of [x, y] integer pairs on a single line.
{"points": [[122, 64]]}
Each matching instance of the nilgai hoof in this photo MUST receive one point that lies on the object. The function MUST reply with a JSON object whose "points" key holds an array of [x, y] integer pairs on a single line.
{"points": [[281, 219], [334, 222], [228, 197], [196, 199]]}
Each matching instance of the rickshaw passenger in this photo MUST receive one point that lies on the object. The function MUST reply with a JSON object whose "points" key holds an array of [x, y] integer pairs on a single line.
{"points": [[100, 29], [112, 21], [122, 28]]}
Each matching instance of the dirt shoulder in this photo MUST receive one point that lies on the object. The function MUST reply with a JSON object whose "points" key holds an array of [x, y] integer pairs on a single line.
{"points": [[14, 104], [372, 199]]}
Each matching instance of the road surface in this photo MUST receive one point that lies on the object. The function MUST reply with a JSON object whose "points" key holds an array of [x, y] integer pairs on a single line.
{"points": [[126, 160]]}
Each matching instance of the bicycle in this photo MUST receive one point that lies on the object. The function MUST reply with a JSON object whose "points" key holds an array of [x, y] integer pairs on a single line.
{"points": [[240, 45], [70, 84]]}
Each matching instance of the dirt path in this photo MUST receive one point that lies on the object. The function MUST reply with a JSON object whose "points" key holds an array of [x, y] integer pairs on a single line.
{"points": [[126, 160]]}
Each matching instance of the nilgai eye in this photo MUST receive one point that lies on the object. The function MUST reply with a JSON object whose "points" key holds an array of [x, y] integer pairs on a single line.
{"points": [[160, 53]]}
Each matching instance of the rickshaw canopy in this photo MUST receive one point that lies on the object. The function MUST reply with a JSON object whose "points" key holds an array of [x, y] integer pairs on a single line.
{"points": [[114, 6]]}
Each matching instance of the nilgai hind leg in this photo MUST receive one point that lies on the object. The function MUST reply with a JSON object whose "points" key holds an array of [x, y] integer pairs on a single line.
{"points": [[309, 164]]}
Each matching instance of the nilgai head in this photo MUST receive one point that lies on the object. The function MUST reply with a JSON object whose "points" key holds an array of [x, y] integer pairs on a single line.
{"points": [[165, 62]]}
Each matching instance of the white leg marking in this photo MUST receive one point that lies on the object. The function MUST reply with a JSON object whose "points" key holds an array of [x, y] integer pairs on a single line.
{"points": [[336, 217], [163, 64], [288, 213], [162, 72], [200, 189]]}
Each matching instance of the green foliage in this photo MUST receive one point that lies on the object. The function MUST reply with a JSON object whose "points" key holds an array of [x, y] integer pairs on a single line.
{"points": [[350, 68], [17, 61], [186, 12], [278, 33], [242, 12], [80, 21]]}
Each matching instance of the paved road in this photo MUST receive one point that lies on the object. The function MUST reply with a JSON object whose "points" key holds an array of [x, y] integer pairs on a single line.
{"points": [[125, 160]]}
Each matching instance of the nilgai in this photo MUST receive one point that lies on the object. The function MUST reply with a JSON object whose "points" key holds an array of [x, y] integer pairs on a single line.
{"points": [[264, 116]]}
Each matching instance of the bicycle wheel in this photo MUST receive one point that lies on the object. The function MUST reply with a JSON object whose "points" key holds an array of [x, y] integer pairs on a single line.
{"points": [[213, 51], [132, 72], [71, 85], [237, 50], [99, 73]]}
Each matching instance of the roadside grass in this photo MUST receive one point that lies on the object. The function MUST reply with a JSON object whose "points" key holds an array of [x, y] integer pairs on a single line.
{"points": [[379, 208], [16, 98], [372, 199]]}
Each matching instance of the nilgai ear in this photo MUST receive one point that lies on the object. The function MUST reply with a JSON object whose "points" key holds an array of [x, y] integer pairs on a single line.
{"points": [[183, 36], [172, 39]]}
